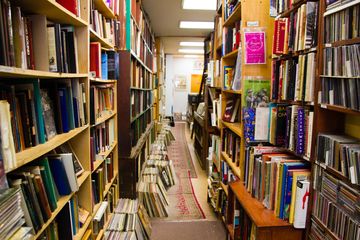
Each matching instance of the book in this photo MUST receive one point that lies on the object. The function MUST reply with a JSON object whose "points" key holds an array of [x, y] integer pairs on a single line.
{"points": [[71, 5], [7, 141], [95, 59], [297, 176], [301, 203]]}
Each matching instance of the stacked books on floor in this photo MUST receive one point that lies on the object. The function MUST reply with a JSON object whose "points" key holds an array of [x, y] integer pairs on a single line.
{"points": [[129, 221], [280, 181], [157, 176]]}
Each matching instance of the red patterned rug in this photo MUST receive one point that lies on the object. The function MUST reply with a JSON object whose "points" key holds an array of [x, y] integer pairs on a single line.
{"points": [[183, 202], [179, 152]]}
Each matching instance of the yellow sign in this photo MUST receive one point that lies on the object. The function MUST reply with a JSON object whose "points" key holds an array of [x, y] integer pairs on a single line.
{"points": [[195, 83]]}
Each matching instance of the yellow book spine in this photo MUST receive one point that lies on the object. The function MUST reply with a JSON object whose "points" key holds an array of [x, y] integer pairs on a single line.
{"points": [[278, 190], [296, 176]]}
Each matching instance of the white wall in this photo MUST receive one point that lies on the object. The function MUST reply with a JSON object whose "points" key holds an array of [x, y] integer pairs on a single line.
{"points": [[176, 101]]}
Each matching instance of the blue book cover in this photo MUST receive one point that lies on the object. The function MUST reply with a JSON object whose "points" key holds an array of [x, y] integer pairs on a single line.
{"points": [[72, 214], [64, 112], [300, 143], [287, 200], [286, 167], [249, 124], [104, 66], [60, 177]]}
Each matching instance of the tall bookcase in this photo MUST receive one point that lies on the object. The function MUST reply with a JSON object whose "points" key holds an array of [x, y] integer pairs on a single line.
{"points": [[74, 19], [135, 96], [159, 84], [336, 113]]}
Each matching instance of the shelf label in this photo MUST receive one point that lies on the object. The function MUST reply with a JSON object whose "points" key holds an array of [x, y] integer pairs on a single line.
{"points": [[252, 24], [6, 69]]}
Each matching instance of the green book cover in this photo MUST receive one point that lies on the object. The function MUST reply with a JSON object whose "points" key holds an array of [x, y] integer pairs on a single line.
{"points": [[48, 183], [256, 93]]}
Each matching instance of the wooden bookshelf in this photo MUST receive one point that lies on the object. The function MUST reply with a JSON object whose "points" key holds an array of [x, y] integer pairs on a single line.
{"points": [[136, 129], [78, 137]]}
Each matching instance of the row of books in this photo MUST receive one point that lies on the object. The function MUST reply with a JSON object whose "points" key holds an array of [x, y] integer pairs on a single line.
{"points": [[342, 61], [281, 6], [140, 78], [288, 126], [108, 29], [335, 3], [231, 38], [214, 106], [19, 45], [129, 225], [214, 190], [232, 110], [294, 78], [36, 118], [343, 92], [340, 153], [103, 64], [231, 145], [102, 137], [227, 174], [101, 101], [73, 6], [342, 25], [229, 7], [140, 101], [139, 126], [297, 32], [335, 205], [278, 180], [10, 204], [244, 228]]}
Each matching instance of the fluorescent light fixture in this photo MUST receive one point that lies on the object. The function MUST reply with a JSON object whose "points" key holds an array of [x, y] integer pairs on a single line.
{"points": [[192, 44], [199, 4], [196, 25], [192, 51], [192, 56]]}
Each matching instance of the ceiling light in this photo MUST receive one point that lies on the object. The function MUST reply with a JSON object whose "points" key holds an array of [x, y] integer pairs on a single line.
{"points": [[192, 44], [192, 56], [193, 51], [196, 25], [199, 4]]}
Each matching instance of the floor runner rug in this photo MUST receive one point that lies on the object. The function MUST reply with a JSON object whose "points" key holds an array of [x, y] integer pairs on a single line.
{"points": [[184, 205], [179, 152]]}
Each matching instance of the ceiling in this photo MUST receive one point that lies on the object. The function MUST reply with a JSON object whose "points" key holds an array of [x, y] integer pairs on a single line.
{"points": [[165, 16]]}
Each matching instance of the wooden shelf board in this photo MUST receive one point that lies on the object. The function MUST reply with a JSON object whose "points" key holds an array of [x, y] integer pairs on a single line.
{"points": [[339, 109], [108, 185], [103, 156], [306, 158], [234, 127], [60, 204], [287, 12], [319, 222], [231, 55], [140, 114], [301, 103], [329, 76], [106, 115], [342, 42], [83, 229], [52, 10], [341, 7], [98, 80], [136, 149], [258, 214], [235, 16], [228, 160], [142, 89], [94, 37], [232, 91], [294, 53], [81, 179], [133, 54], [33, 153], [338, 175], [225, 187], [13, 72], [100, 5]]}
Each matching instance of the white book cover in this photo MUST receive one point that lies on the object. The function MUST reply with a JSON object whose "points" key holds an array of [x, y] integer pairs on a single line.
{"points": [[262, 124], [301, 203]]}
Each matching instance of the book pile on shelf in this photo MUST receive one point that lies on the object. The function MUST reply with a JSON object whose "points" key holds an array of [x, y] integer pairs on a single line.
{"points": [[232, 110], [214, 190], [103, 64], [24, 36], [280, 181], [102, 101], [230, 6], [215, 107], [109, 29], [231, 38], [157, 176], [232, 75], [46, 117], [283, 125], [129, 221]]}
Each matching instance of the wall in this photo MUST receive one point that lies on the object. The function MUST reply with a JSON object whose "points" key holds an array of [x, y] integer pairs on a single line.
{"points": [[176, 101]]}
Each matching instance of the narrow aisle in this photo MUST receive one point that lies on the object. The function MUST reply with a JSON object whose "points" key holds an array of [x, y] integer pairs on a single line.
{"points": [[190, 216]]}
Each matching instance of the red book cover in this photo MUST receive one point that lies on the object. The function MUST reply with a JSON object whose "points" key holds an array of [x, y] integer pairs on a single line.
{"points": [[70, 5], [279, 36], [95, 58]]}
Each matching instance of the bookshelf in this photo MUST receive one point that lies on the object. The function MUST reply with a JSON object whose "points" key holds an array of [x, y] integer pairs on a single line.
{"points": [[135, 107], [159, 84], [64, 135], [345, 115]]}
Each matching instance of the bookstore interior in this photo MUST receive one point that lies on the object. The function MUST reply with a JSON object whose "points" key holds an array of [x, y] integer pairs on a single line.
{"points": [[112, 112]]}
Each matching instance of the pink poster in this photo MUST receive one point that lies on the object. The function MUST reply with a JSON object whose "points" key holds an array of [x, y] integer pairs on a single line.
{"points": [[255, 48]]}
